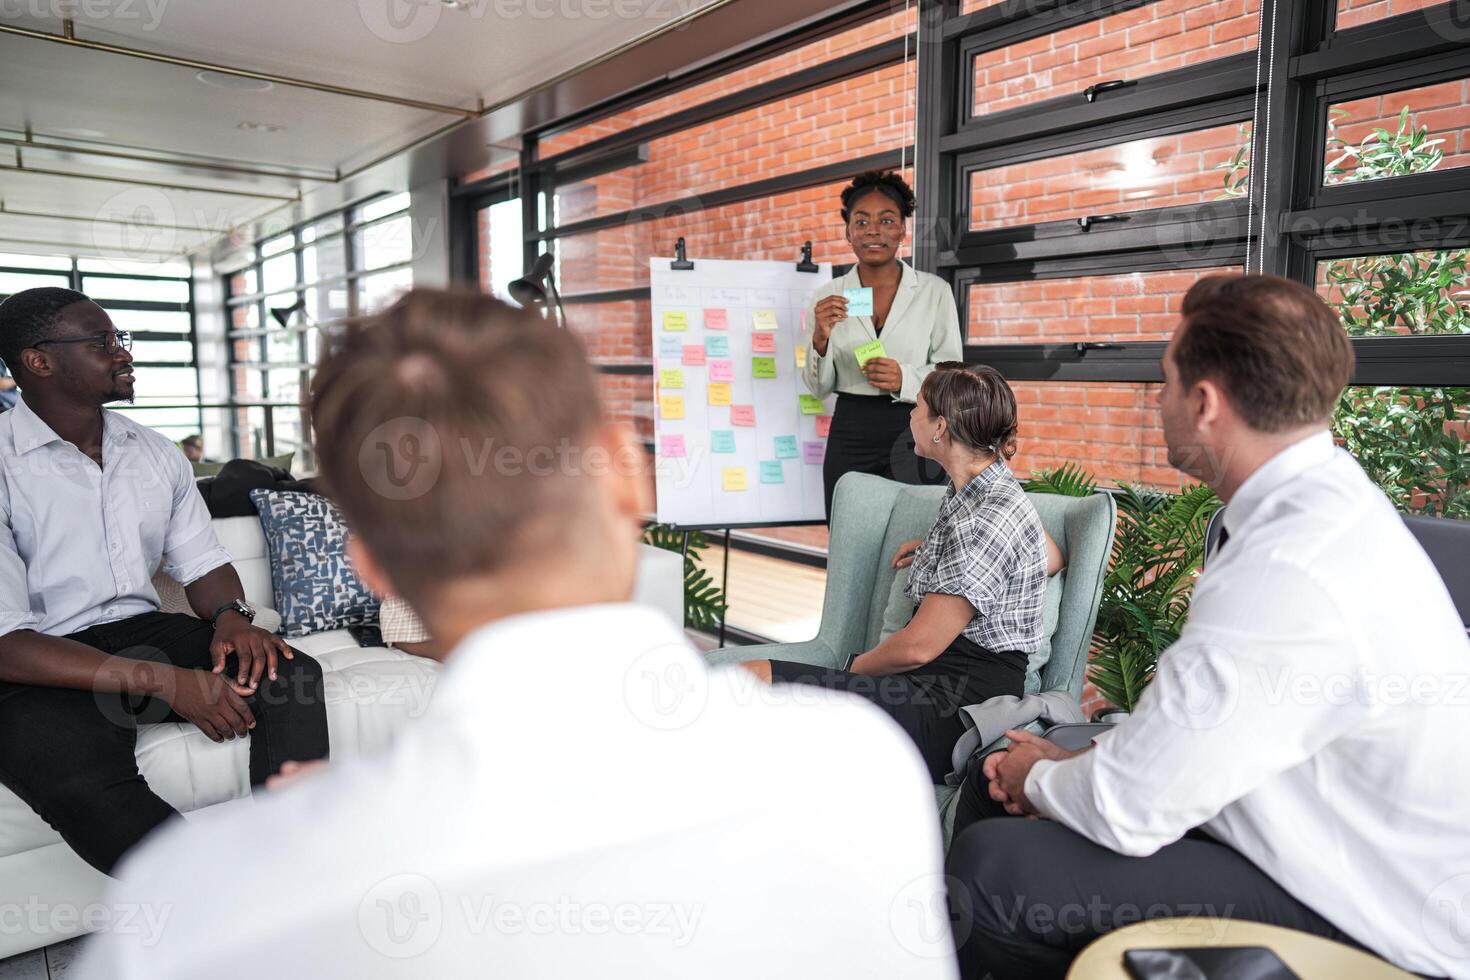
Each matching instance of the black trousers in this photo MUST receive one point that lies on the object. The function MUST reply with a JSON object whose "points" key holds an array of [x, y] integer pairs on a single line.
{"points": [[70, 755], [870, 434], [1026, 896]]}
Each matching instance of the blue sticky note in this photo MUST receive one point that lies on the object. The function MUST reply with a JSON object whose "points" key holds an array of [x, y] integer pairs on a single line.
{"points": [[772, 471], [717, 346], [786, 447], [859, 301], [669, 347], [722, 441]]}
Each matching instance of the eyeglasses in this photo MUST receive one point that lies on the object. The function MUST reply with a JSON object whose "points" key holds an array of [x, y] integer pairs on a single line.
{"points": [[108, 342]]}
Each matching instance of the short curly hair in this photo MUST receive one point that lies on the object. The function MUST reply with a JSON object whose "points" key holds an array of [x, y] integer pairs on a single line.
{"points": [[27, 318], [886, 182]]}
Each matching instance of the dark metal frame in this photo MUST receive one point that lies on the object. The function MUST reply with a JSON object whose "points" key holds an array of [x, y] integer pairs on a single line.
{"points": [[1303, 221]]}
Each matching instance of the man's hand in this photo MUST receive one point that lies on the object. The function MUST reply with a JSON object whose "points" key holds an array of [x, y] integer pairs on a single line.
{"points": [[904, 556], [1007, 770], [210, 702], [884, 374], [257, 651]]}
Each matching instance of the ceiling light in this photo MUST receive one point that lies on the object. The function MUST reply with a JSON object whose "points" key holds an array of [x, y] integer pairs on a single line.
{"points": [[260, 127], [237, 83]]}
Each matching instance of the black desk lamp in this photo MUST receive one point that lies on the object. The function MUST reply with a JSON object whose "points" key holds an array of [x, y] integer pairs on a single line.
{"points": [[538, 288]]}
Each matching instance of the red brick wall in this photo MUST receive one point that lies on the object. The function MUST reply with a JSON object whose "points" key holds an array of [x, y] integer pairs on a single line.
{"points": [[1354, 13], [1154, 38], [1186, 168], [1443, 108]]}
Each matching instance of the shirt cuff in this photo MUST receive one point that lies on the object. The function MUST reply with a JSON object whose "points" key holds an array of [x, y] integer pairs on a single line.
{"points": [[1061, 789], [191, 568]]}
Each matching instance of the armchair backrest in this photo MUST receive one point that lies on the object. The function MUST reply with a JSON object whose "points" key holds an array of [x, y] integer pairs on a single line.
{"points": [[873, 516]]}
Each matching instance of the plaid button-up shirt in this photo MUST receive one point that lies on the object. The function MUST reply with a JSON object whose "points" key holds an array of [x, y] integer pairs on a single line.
{"points": [[988, 545]]}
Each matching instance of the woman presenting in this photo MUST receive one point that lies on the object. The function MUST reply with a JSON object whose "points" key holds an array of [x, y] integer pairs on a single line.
{"points": [[914, 318]]}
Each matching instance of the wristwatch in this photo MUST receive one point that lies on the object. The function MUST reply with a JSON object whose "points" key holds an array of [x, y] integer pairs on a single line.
{"points": [[238, 605]]}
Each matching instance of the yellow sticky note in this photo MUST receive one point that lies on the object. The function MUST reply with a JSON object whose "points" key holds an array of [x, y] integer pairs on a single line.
{"points": [[719, 393], [764, 320], [676, 320], [670, 378], [870, 350], [671, 406], [733, 478], [800, 356]]}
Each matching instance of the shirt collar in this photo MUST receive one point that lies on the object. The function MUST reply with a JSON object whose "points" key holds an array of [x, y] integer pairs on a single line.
{"points": [[982, 481], [907, 277], [32, 432], [1313, 451]]}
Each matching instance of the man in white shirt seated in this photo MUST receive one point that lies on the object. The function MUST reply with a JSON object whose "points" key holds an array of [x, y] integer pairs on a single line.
{"points": [[1292, 760], [583, 797], [91, 503]]}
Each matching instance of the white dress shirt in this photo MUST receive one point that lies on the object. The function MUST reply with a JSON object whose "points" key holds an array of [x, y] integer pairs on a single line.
{"points": [[922, 329], [582, 798], [78, 544], [1312, 716]]}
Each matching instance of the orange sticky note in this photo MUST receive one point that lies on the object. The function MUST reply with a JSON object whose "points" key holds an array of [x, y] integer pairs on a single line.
{"points": [[824, 425], [763, 343], [719, 393], [716, 320], [671, 406]]}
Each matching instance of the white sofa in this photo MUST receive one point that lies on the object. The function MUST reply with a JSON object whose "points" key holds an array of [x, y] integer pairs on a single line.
{"points": [[48, 894]]}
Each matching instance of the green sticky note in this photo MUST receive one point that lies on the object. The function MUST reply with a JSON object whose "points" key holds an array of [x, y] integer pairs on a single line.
{"points": [[722, 441], [763, 367], [870, 350], [772, 471], [786, 447], [811, 405]]}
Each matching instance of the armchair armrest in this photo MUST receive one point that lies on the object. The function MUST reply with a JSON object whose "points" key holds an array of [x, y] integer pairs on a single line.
{"points": [[814, 652]]}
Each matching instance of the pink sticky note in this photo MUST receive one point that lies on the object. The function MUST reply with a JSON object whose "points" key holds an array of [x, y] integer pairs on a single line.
{"points": [[671, 447], [813, 452], [693, 355], [722, 370], [824, 425], [742, 415], [763, 343], [716, 320]]}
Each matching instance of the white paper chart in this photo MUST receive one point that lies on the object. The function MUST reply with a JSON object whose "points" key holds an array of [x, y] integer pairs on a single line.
{"points": [[737, 438]]}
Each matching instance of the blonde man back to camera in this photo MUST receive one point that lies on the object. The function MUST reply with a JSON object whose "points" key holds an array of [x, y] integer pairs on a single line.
{"points": [[581, 797]]}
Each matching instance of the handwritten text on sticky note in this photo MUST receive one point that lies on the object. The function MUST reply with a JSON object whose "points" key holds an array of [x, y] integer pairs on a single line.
{"points": [[722, 370], [859, 301], [811, 405], [671, 378], [693, 355], [786, 447], [764, 320], [716, 320], [676, 320], [763, 367], [824, 425], [772, 471], [763, 343], [813, 453], [870, 350], [671, 447], [742, 415], [722, 441], [717, 346], [671, 406], [733, 478], [719, 394]]}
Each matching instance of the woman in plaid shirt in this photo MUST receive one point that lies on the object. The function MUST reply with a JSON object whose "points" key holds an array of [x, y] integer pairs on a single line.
{"points": [[979, 576]]}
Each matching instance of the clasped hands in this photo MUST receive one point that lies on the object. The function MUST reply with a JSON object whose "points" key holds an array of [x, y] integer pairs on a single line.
{"points": [[1007, 770]]}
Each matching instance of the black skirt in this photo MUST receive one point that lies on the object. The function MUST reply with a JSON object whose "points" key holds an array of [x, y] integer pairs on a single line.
{"points": [[926, 702], [870, 434]]}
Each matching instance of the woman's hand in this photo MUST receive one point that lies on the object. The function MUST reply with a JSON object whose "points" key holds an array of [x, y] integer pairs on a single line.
{"points": [[829, 311], [884, 374], [904, 556]]}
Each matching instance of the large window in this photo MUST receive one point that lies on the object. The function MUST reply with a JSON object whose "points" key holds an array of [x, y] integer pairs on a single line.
{"points": [[354, 261], [151, 301], [1105, 155]]}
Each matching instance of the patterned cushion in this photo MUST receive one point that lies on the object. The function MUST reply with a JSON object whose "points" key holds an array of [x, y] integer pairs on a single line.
{"points": [[315, 586]]}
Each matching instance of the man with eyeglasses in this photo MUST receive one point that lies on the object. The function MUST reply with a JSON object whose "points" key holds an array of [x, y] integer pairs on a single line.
{"points": [[91, 505]]}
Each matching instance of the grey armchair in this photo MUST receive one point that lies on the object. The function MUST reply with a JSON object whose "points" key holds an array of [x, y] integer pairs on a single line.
{"points": [[873, 516]]}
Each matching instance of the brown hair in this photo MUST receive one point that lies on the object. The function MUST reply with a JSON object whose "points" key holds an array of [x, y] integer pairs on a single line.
{"points": [[976, 402], [450, 429], [1280, 353]]}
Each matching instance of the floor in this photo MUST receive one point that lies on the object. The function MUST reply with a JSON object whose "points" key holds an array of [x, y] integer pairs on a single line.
{"points": [[770, 597], [51, 963]]}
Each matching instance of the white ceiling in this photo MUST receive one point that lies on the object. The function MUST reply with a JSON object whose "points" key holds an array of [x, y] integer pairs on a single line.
{"points": [[479, 54]]}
